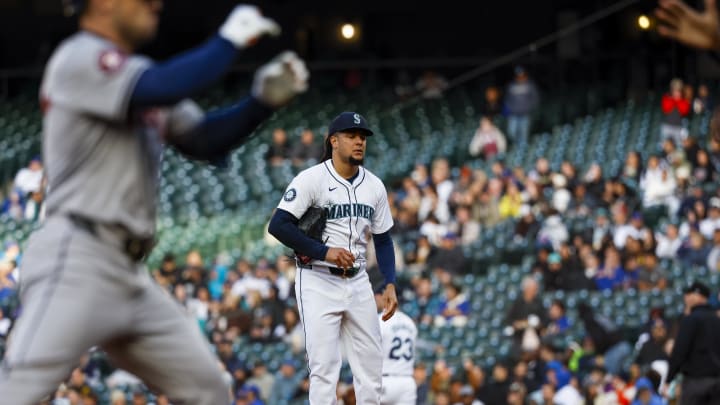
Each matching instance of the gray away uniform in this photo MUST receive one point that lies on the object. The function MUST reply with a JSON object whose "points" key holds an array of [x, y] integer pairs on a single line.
{"points": [[80, 286]]}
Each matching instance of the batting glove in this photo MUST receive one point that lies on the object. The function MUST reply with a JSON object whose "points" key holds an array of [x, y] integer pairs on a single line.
{"points": [[277, 82], [246, 25]]}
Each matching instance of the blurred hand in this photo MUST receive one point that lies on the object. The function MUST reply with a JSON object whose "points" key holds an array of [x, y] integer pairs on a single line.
{"points": [[341, 257], [390, 302], [277, 82], [245, 25], [693, 28]]}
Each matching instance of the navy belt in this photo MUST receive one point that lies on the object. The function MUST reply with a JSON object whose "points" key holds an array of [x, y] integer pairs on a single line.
{"points": [[336, 271]]}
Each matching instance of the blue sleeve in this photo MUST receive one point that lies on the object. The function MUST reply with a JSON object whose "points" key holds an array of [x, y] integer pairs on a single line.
{"points": [[464, 307], [222, 130], [385, 253], [283, 226], [184, 75]]}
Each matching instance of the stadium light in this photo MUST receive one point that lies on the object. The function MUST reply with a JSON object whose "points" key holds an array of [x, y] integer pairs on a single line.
{"points": [[347, 31], [643, 22]]}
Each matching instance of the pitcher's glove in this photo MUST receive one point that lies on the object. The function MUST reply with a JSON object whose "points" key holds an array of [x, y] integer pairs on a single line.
{"points": [[312, 224]]}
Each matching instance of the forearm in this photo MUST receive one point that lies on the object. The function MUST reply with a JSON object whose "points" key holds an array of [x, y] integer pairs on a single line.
{"points": [[221, 131], [183, 76], [283, 226], [385, 252]]}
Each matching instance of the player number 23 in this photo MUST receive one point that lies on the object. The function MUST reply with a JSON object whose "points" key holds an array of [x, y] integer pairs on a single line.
{"points": [[401, 349]]}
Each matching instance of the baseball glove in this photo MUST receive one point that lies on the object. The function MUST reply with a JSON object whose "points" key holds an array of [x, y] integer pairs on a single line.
{"points": [[312, 224]]}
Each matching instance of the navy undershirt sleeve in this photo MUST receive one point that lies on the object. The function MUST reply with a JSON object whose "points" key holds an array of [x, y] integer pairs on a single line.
{"points": [[222, 130], [181, 77], [283, 226], [385, 253]]}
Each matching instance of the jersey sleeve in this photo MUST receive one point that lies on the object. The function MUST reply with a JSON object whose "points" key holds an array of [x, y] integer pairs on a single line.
{"points": [[92, 78], [299, 195], [382, 219]]}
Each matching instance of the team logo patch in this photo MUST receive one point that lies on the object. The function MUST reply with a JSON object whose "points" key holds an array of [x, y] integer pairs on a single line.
{"points": [[290, 195], [111, 60]]}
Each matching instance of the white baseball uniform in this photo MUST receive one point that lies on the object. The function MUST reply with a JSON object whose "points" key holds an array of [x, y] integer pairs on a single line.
{"points": [[399, 334], [333, 307]]}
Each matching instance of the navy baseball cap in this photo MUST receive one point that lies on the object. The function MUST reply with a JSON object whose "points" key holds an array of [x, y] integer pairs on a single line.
{"points": [[349, 120]]}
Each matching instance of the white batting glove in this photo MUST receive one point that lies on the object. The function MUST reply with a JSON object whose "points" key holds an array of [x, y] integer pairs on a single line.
{"points": [[246, 25], [277, 82]]}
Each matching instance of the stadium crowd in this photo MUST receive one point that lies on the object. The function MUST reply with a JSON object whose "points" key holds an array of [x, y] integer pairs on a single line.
{"points": [[663, 205]]}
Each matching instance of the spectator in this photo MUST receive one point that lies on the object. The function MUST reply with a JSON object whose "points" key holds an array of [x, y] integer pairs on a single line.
{"points": [[291, 330], [602, 229], [279, 150], [561, 195], [703, 101], [611, 275], [493, 105], [287, 381], [30, 179], [431, 85], [168, 269], [712, 222], [650, 276], [606, 338], [553, 232], [633, 168], [675, 108], [35, 206], [467, 396], [658, 186], [594, 182], [486, 208], [488, 140], [496, 391], [704, 172], [646, 394], [424, 303], [558, 323], [7, 282], [668, 242], [623, 229], [581, 204], [695, 251], [454, 308], [307, 151], [654, 348], [440, 177], [713, 257], [527, 227], [13, 206], [249, 395], [466, 226], [526, 315], [541, 174], [511, 202], [521, 100], [117, 397], [449, 256], [555, 278], [261, 379]]}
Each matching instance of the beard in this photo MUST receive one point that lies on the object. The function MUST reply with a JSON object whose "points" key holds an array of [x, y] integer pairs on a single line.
{"points": [[355, 162]]}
